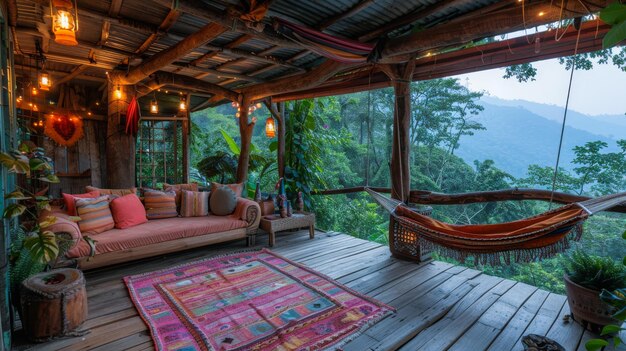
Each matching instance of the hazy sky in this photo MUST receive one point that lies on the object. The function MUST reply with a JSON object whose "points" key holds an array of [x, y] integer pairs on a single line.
{"points": [[599, 91]]}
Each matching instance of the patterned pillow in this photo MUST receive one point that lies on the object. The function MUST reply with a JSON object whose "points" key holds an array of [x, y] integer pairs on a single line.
{"points": [[95, 215], [159, 204], [118, 192], [177, 188], [194, 203], [237, 188]]}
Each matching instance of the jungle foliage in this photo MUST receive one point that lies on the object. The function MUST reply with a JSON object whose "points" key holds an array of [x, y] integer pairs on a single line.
{"points": [[345, 141]]}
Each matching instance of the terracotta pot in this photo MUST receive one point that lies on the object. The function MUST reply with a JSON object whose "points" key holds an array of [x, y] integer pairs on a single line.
{"points": [[586, 307]]}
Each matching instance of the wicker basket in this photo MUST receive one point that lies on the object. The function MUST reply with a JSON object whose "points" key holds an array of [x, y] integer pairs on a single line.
{"points": [[403, 241]]}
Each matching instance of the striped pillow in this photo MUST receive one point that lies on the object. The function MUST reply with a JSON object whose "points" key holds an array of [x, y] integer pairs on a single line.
{"points": [[159, 204], [194, 203], [177, 188], [95, 215]]}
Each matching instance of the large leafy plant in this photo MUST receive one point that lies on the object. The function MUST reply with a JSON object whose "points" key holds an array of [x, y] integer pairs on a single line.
{"points": [[616, 299], [615, 15], [594, 272], [222, 166], [33, 246]]}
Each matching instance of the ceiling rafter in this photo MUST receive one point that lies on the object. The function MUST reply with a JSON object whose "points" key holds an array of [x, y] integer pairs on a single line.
{"points": [[340, 16], [411, 17]]}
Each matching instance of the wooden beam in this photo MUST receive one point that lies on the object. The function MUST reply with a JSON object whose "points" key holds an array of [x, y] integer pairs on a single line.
{"points": [[484, 25], [245, 129], [302, 81], [280, 129], [73, 74], [418, 14], [199, 9], [120, 147], [217, 73], [169, 55], [497, 54], [400, 76], [245, 55], [433, 198], [361, 5], [212, 53], [115, 7], [191, 84], [166, 24]]}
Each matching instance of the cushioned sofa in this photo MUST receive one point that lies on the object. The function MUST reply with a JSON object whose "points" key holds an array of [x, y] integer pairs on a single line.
{"points": [[158, 236]]}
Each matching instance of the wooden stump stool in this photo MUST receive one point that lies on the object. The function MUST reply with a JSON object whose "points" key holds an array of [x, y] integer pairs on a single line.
{"points": [[53, 303]]}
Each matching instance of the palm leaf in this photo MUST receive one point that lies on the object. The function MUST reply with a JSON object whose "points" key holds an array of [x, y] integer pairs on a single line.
{"points": [[232, 145]]}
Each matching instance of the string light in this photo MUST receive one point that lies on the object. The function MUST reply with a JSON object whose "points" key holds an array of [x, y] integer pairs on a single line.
{"points": [[34, 91], [258, 105]]}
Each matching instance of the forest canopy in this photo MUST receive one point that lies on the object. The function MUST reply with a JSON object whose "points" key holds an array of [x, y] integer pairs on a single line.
{"points": [[344, 141]]}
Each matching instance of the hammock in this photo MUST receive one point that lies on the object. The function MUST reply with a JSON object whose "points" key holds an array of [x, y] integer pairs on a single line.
{"points": [[524, 240], [337, 49]]}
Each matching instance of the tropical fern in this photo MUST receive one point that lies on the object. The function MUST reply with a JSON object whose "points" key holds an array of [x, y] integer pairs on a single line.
{"points": [[595, 272]]}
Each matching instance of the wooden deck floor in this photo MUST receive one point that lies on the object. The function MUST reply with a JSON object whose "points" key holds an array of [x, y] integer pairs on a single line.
{"points": [[439, 306]]}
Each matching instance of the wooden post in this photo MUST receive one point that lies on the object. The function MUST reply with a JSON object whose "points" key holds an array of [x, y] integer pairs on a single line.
{"points": [[245, 130], [120, 147], [278, 112], [400, 76], [186, 132], [281, 140]]}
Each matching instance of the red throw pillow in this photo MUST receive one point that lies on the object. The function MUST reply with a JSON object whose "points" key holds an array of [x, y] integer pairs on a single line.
{"points": [[70, 199], [128, 211]]}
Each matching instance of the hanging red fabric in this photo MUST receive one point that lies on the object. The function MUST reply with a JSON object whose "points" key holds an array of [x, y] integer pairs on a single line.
{"points": [[133, 114]]}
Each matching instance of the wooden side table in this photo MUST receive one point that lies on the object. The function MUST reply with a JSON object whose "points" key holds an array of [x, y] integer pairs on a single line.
{"points": [[274, 223]]}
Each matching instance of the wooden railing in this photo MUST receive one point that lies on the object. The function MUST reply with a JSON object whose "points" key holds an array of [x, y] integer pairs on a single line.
{"points": [[434, 198]]}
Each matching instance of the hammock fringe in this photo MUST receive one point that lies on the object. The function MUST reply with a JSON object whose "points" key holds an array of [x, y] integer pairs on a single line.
{"points": [[525, 240], [503, 258]]}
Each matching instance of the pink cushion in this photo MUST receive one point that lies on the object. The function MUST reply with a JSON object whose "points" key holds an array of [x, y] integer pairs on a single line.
{"points": [[70, 206], [158, 231], [128, 211]]}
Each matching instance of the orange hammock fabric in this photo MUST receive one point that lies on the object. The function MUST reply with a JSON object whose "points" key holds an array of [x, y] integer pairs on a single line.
{"points": [[523, 240]]}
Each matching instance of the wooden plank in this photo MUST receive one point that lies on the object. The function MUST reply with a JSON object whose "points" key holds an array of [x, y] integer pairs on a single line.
{"points": [[568, 333], [489, 325], [422, 309], [544, 319], [445, 331], [94, 153], [412, 281], [520, 321], [126, 343]]}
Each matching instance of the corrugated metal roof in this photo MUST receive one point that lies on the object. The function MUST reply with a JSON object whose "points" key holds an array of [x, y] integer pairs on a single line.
{"points": [[125, 37]]}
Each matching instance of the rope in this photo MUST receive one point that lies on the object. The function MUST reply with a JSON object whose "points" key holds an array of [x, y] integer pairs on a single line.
{"points": [[569, 91]]}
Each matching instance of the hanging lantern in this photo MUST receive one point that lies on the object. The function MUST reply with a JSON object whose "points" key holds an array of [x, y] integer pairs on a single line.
{"points": [[64, 22], [118, 93], [154, 107], [182, 106], [34, 91], [44, 81], [258, 105], [270, 127]]}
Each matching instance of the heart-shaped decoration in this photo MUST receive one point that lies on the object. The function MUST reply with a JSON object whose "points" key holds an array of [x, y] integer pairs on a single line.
{"points": [[64, 129]]}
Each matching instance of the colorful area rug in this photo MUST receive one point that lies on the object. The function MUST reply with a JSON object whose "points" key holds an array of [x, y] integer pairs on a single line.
{"points": [[249, 301]]}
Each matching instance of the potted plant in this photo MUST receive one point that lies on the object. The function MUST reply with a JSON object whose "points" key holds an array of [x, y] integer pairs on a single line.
{"points": [[585, 277], [617, 330], [33, 247]]}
